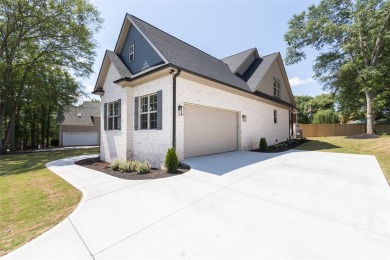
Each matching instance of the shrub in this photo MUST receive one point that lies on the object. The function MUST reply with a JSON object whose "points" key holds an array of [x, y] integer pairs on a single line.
{"points": [[127, 166], [263, 144], [171, 161], [142, 167], [115, 165]]}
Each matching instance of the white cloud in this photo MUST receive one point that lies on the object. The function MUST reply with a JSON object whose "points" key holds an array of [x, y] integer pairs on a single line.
{"points": [[296, 81]]}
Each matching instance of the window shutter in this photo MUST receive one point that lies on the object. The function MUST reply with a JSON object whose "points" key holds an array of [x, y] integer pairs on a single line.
{"points": [[136, 113], [119, 114], [105, 116], [159, 110]]}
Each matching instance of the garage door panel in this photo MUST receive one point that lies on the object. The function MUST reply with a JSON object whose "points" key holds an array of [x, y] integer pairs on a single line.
{"points": [[209, 130], [80, 138]]}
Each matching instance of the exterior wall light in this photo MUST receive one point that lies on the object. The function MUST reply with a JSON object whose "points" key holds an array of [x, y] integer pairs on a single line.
{"points": [[244, 118], [180, 108]]}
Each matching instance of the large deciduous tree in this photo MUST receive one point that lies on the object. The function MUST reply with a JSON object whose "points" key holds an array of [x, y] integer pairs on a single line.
{"points": [[39, 37], [353, 38]]}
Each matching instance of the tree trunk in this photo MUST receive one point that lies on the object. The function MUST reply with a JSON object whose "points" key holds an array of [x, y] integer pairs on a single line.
{"points": [[48, 127], [370, 112], [32, 131], [42, 127]]}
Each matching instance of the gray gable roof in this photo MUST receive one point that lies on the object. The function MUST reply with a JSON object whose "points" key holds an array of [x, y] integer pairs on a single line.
{"points": [[188, 57], [234, 61], [118, 64], [257, 70], [69, 115], [181, 55]]}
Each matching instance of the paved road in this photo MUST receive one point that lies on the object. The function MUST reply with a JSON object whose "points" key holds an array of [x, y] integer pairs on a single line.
{"points": [[295, 205]]}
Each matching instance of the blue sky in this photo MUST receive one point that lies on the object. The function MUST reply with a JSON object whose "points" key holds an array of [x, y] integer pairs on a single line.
{"points": [[220, 28]]}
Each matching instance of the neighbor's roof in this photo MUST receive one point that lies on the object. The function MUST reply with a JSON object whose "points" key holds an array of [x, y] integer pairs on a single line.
{"points": [[88, 110]]}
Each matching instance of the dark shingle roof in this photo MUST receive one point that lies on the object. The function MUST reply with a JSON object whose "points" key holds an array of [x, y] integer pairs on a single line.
{"points": [[69, 115], [234, 61], [188, 57], [257, 70], [118, 64]]}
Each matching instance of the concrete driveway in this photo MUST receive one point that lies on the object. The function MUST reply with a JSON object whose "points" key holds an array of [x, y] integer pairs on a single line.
{"points": [[295, 205]]}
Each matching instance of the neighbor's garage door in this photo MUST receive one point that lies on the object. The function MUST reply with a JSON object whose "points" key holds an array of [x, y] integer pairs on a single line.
{"points": [[209, 130], [80, 138]]}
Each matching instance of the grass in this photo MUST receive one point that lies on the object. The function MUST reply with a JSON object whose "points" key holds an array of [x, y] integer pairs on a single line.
{"points": [[32, 198], [380, 147]]}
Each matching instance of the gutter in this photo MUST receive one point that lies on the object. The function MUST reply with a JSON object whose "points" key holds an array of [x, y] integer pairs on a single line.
{"points": [[175, 75]]}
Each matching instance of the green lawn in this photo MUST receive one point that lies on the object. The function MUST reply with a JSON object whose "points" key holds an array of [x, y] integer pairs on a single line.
{"points": [[379, 147], [32, 198]]}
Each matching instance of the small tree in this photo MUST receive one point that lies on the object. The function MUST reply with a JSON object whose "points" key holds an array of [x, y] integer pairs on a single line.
{"points": [[263, 144], [171, 160]]}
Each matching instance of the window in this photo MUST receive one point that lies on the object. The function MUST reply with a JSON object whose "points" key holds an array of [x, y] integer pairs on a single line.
{"points": [[131, 53], [275, 116], [276, 88], [113, 119], [148, 112]]}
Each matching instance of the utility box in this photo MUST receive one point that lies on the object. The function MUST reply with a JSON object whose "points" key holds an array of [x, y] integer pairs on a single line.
{"points": [[297, 131]]}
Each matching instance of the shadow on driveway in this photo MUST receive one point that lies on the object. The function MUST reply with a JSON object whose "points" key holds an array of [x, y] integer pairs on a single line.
{"points": [[222, 163]]}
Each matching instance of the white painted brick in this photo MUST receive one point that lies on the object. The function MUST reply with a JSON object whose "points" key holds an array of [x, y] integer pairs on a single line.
{"points": [[259, 123], [113, 144], [152, 145]]}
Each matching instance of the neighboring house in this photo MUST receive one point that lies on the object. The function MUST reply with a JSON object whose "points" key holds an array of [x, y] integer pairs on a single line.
{"points": [[80, 125], [159, 92]]}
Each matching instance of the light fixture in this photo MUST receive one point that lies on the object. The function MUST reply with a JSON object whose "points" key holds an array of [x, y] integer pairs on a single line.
{"points": [[180, 108], [244, 118]]}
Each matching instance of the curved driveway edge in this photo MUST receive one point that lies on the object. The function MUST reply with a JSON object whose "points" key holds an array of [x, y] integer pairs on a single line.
{"points": [[292, 205]]}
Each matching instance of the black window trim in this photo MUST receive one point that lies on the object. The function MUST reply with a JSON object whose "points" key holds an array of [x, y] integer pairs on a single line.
{"points": [[108, 116], [148, 112]]}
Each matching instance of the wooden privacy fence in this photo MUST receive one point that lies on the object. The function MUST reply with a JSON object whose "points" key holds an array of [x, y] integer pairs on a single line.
{"points": [[318, 130]]}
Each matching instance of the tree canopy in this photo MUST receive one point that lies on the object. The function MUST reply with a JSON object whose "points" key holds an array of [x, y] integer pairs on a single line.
{"points": [[45, 46], [353, 41]]}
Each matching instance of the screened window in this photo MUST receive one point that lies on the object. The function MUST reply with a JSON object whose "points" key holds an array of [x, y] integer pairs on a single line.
{"points": [[275, 116], [276, 88], [148, 112], [131, 53], [113, 115]]}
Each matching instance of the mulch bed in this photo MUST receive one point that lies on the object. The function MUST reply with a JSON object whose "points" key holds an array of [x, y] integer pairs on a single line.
{"points": [[282, 147], [362, 136], [98, 165]]}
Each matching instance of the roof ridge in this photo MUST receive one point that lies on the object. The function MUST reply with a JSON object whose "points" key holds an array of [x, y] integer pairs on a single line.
{"points": [[270, 54], [238, 53], [175, 37]]}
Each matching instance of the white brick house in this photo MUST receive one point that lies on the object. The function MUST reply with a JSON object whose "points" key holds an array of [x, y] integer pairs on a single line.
{"points": [[158, 92]]}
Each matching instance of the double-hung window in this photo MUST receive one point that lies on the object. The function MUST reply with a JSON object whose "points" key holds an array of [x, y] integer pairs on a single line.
{"points": [[148, 112], [112, 115], [275, 116], [131, 53], [276, 88]]}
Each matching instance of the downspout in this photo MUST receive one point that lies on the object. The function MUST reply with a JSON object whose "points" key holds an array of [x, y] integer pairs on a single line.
{"points": [[175, 75]]}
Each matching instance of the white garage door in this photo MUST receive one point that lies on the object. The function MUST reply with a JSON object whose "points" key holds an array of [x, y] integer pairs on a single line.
{"points": [[209, 130], [80, 138]]}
